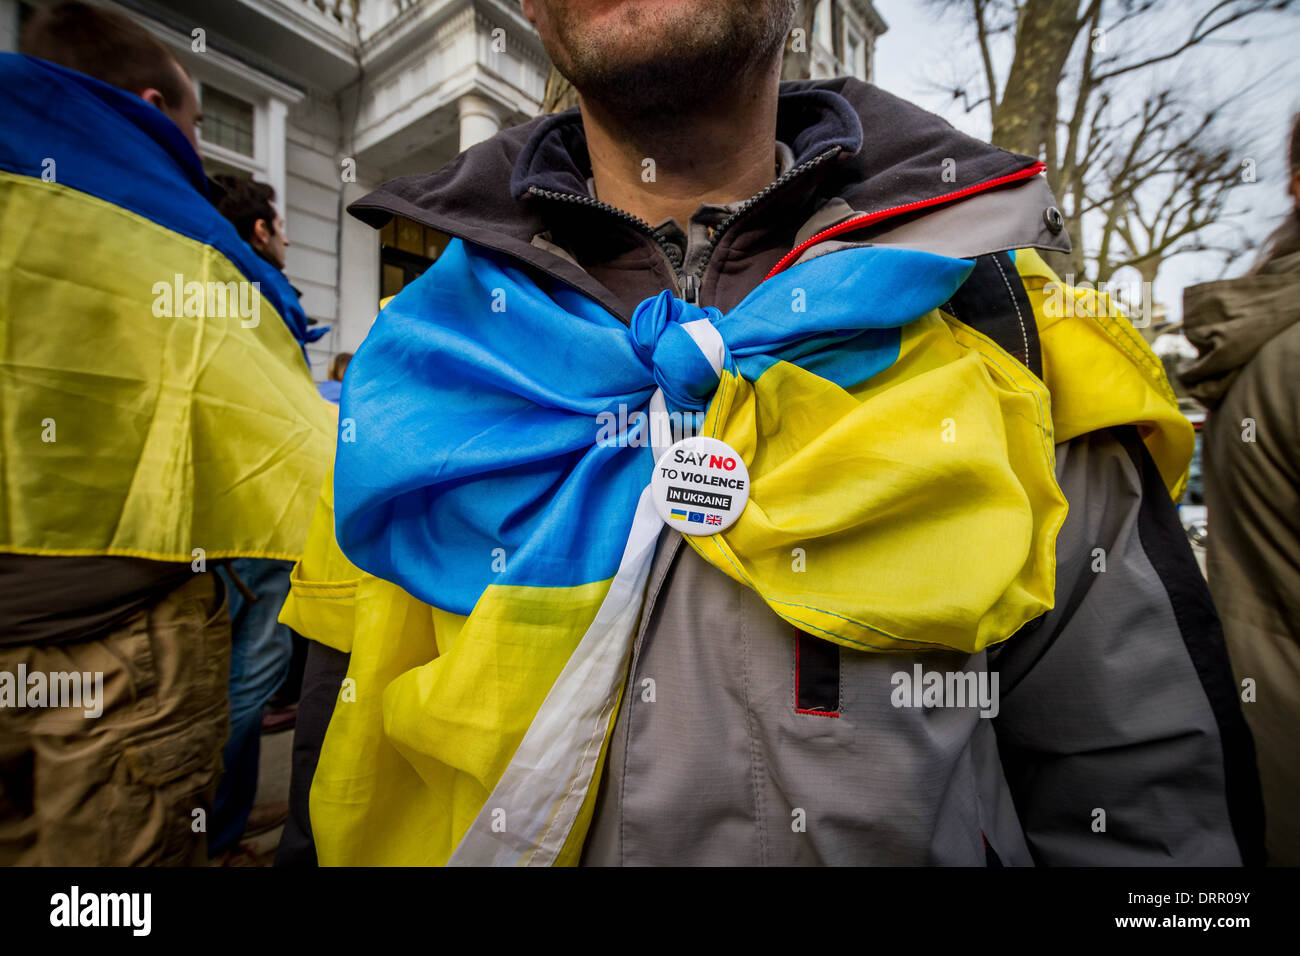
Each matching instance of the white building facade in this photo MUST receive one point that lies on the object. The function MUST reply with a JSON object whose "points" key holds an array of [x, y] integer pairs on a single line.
{"points": [[327, 99], [844, 34]]}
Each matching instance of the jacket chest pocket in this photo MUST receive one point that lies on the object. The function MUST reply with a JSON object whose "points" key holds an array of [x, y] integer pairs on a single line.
{"points": [[816, 676]]}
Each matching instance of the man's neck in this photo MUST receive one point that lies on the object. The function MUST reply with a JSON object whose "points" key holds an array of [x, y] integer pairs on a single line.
{"points": [[657, 168]]}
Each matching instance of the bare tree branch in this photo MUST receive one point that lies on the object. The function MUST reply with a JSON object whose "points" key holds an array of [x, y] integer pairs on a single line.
{"points": [[990, 77], [1199, 34]]}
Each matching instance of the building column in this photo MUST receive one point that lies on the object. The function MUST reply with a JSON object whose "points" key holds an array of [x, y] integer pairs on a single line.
{"points": [[358, 275], [277, 112], [479, 119]]}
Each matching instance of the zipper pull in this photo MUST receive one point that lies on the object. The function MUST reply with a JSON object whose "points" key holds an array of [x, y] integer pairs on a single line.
{"points": [[691, 289]]}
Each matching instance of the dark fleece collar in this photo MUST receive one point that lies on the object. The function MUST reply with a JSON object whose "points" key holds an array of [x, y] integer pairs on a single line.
{"points": [[811, 121]]}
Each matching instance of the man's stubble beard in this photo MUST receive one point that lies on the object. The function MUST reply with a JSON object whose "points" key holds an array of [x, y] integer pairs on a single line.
{"points": [[686, 63]]}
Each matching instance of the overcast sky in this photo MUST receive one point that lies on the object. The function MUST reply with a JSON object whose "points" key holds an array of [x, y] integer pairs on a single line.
{"points": [[923, 49]]}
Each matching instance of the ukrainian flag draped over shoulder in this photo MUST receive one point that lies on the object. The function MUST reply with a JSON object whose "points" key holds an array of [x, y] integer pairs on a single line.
{"points": [[154, 395], [497, 471], [1102, 373]]}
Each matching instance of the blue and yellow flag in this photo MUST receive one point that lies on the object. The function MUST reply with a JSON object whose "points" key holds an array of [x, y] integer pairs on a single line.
{"points": [[494, 464], [154, 396]]}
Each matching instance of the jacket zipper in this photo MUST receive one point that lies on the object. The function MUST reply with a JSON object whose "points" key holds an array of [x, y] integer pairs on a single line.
{"points": [[688, 283], [636, 222], [760, 197]]}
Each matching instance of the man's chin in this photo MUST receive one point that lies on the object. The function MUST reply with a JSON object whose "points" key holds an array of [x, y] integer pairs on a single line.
{"points": [[655, 56]]}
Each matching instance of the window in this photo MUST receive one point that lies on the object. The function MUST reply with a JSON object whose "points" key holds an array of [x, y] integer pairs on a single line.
{"points": [[822, 28], [406, 249], [853, 55], [227, 121]]}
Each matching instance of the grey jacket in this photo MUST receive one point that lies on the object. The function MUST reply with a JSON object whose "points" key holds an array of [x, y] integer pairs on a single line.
{"points": [[1117, 737], [1101, 707]]}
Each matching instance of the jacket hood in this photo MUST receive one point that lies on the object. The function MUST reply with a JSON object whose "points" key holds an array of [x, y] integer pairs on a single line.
{"points": [[883, 153], [1231, 320]]}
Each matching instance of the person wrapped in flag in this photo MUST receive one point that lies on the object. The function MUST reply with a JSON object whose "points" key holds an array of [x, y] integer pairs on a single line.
{"points": [[957, 467], [158, 417]]}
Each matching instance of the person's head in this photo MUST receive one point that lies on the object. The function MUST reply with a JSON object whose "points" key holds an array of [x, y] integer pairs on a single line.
{"points": [[339, 365], [661, 57], [1285, 240], [113, 48], [250, 205]]}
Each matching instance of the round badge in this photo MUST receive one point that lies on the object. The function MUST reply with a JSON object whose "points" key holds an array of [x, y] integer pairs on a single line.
{"points": [[700, 486]]}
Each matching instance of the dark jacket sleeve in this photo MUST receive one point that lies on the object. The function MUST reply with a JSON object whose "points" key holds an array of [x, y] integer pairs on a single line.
{"points": [[1121, 732], [321, 680]]}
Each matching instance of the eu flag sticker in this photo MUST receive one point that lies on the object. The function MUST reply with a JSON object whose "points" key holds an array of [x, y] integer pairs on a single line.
{"points": [[697, 517]]}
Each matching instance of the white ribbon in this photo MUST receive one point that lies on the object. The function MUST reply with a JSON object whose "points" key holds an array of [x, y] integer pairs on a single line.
{"points": [[546, 782]]}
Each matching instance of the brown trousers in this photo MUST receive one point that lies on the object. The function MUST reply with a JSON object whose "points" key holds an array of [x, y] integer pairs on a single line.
{"points": [[134, 785]]}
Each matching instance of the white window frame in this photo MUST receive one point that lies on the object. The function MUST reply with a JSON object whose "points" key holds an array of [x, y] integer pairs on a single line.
{"points": [[267, 164], [823, 30], [256, 163], [855, 45]]}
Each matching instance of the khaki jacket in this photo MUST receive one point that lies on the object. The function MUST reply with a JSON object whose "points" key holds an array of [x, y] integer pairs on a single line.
{"points": [[1248, 334]]}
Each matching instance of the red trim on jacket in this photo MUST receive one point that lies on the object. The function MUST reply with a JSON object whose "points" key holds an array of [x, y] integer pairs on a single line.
{"points": [[866, 219]]}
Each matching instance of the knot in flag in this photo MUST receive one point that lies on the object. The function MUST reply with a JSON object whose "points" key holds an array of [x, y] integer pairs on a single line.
{"points": [[668, 343]]}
